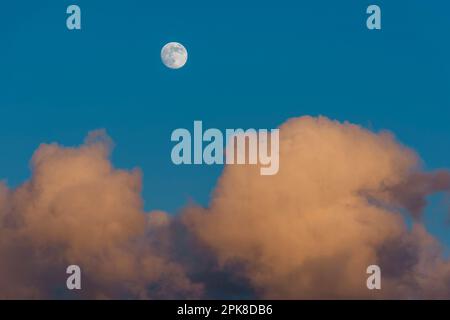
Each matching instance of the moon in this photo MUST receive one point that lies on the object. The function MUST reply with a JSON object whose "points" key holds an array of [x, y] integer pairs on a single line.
{"points": [[174, 55]]}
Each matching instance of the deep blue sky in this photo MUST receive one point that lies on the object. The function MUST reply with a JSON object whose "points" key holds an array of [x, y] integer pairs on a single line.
{"points": [[250, 65]]}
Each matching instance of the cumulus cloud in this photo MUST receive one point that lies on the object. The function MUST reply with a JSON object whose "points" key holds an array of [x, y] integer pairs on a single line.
{"points": [[335, 207], [78, 209]]}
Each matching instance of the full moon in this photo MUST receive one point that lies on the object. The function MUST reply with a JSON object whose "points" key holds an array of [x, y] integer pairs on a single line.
{"points": [[174, 55]]}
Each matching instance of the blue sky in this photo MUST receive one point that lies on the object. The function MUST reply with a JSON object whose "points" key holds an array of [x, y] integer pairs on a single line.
{"points": [[250, 65]]}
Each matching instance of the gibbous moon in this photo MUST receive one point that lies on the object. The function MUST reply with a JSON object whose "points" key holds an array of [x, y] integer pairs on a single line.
{"points": [[174, 55]]}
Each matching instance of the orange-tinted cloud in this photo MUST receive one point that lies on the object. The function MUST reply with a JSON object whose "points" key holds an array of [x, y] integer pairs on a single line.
{"points": [[334, 208], [78, 209]]}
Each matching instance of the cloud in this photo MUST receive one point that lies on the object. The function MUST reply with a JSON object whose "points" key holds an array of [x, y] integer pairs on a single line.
{"points": [[335, 207], [412, 193], [78, 209]]}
